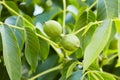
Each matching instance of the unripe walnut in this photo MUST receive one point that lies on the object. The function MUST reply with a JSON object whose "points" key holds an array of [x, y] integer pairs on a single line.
{"points": [[70, 42], [52, 28]]}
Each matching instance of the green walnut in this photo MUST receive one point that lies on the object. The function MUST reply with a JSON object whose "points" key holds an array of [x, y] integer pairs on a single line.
{"points": [[52, 28], [70, 42]]}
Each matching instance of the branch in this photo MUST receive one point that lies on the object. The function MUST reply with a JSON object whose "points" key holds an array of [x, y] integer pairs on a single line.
{"points": [[64, 15], [47, 71]]}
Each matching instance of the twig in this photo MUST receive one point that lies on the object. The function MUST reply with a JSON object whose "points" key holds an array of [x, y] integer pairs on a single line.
{"points": [[47, 71]]}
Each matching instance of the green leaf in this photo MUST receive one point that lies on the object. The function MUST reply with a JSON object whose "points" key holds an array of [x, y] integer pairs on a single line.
{"points": [[1, 7], [107, 9], [90, 77], [29, 21], [27, 8], [44, 46], [117, 25], [20, 37], [68, 69], [44, 49], [3, 71], [50, 62], [84, 17], [12, 5], [118, 62], [85, 36], [11, 53], [93, 76], [45, 16], [32, 48], [118, 8], [106, 76], [95, 65], [17, 21], [14, 20], [89, 2], [99, 76], [76, 75], [77, 3], [79, 53], [1, 46], [97, 43], [28, 2], [81, 18]]}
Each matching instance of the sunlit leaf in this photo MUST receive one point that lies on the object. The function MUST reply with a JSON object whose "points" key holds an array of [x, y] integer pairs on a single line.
{"points": [[14, 20], [90, 77], [117, 25], [28, 22], [106, 76], [99, 76], [18, 22], [97, 43], [118, 63], [93, 76], [11, 53]]}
